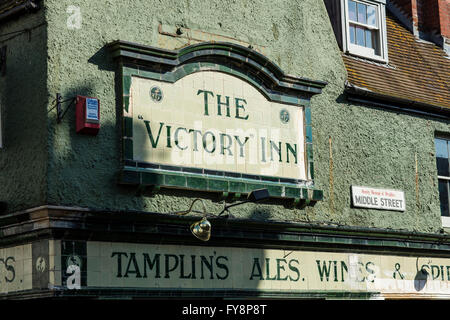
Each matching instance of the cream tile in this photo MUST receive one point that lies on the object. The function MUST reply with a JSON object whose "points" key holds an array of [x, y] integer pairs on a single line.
{"points": [[106, 276], [316, 279], [27, 251], [27, 266], [185, 263], [57, 278], [27, 282], [253, 274], [93, 249], [105, 249], [391, 283], [94, 264], [298, 261], [94, 279], [240, 278], [197, 81], [18, 252]]}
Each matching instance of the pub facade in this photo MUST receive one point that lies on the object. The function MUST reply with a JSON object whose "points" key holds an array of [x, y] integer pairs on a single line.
{"points": [[223, 150]]}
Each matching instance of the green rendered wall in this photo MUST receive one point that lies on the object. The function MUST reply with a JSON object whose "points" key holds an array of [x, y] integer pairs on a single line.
{"points": [[353, 144], [23, 104]]}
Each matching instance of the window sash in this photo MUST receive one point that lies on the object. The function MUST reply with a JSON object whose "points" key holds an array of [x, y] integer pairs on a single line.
{"points": [[367, 26], [443, 152], [379, 41], [374, 9], [444, 206]]}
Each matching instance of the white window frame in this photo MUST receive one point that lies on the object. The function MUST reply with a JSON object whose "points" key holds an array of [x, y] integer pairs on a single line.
{"points": [[444, 219], [361, 51]]}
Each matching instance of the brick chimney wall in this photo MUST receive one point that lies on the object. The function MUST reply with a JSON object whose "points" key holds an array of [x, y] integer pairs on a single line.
{"points": [[429, 18], [444, 15], [426, 19]]}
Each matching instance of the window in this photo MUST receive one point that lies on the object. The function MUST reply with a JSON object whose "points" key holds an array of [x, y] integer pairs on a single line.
{"points": [[365, 29], [443, 168]]}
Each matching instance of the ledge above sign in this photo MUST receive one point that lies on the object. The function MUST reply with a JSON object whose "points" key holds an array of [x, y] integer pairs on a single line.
{"points": [[215, 117]]}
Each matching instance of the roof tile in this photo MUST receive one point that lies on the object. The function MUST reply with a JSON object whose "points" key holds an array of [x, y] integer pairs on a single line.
{"points": [[417, 70]]}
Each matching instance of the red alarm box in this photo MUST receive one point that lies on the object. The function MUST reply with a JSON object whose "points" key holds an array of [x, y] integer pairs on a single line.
{"points": [[87, 115]]}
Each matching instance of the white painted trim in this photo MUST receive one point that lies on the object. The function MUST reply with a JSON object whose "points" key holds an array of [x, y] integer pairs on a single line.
{"points": [[383, 31], [361, 51], [345, 33], [445, 222], [367, 26]]}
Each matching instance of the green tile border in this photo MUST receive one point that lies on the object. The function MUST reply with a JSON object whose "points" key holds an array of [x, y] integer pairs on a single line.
{"points": [[252, 67], [128, 127], [207, 183], [127, 148]]}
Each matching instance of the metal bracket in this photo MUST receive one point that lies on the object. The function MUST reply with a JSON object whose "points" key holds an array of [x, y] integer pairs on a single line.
{"points": [[59, 111]]}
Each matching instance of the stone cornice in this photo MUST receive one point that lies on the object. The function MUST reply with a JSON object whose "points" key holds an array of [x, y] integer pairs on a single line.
{"points": [[132, 226]]}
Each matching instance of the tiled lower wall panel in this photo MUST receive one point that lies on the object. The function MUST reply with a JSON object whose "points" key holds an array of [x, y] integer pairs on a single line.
{"points": [[80, 267]]}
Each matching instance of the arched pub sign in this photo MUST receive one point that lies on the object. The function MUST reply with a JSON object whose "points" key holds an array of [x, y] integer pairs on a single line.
{"points": [[215, 117]]}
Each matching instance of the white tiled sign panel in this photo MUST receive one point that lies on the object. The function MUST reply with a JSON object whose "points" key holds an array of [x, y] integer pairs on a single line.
{"points": [[16, 269], [174, 266], [216, 121]]}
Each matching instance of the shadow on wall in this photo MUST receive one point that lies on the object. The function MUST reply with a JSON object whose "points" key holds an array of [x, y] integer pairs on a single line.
{"points": [[396, 108], [260, 214], [88, 165], [24, 100], [103, 60], [88, 170]]}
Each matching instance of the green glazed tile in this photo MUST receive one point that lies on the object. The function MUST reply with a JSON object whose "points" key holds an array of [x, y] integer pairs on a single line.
{"points": [[126, 103], [150, 74], [307, 116], [128, 71], [150, 178], [224, 68], [208, 66], [305, 102], [128, 148], [197, 183], [174, 180], [311, 169], [237, 186], [275, 191], [179, 73], [292, 192], [169, 77], [217, 185], [128, 126], [254, 186], [304, 193], [308, 133], [289, 99], [309, 151], [191, 67], [130, 177], [126, 84]]}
